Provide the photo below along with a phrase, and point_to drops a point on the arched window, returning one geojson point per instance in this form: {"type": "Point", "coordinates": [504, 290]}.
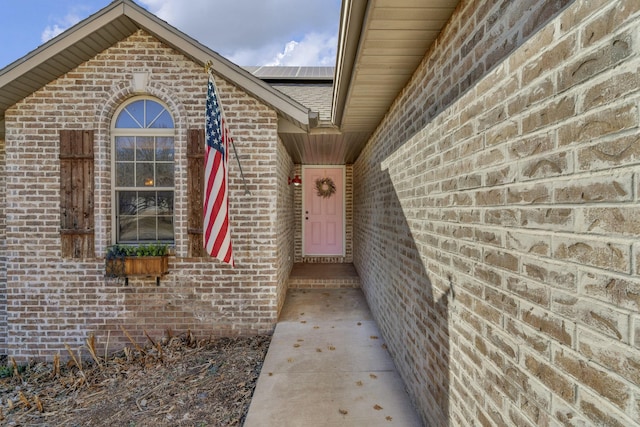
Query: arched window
{"type": "Point", "coordinates": [143, 172]}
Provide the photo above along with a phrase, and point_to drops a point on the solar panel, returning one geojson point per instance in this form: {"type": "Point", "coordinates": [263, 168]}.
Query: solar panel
{"type": "Point", "coordinates": [292, 73]}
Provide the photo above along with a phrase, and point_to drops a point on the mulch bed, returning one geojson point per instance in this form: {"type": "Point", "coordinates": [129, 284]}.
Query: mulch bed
{"type": "Point", "coordinates": [178, 382]}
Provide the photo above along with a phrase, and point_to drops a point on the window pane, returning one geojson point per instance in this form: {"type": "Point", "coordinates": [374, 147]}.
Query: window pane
{"type": "Point", "coordinates": [157, 117]}
{"type": "Point", "coordinates": [132, 116]}
{"type": "Point", "coordinates": [126, 121]}
{"type": "Point", "coordinates": [124, 175]}
{"type": "Point", "coordinates": [127, 203]}
{"type": "Point", "coordinates": [153, 111]}
{"type": "Point", "coordinates": [165, 228]}
{"type": "Point", "coordinates": [145, 114]}
{"type": "Point", "coordinates": [146, 203]}
{"type": "Point", "coordinates": [164, 149]}
{"type": "Point", "coordinates": [163, 121]}
{"type": "Point", "coordinates": [136, 111]}
{"type": "Point", "coordinates": [164, 175]}
{"type": "Point", "coordinates": [144, 175]}
{"type": "Point", "coordinates": [127, 229]}
{"type": "Point", "coordinates": [124, 148]}
{"type": "Point", "coordinates": [147, 228]}
{"type": "Point", "coordinates": [145, 215]}
{"type": "Point", "coordinates": [165, 202]}
{"type": "Point", "coordinates": [144, 149]}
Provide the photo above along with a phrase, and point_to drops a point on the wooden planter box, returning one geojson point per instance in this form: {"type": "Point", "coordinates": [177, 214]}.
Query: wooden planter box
{"type": "Point", "coordinates": [146, 265]}
{"type": "Point", "coordinates": [154, 266]}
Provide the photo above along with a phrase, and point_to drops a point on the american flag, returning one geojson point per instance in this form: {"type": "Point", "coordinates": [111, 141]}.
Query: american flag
{"type": "Point", "coordinates": [217, 233]}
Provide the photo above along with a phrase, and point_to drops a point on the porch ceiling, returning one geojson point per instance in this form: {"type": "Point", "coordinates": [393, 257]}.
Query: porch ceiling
{"type": "Point", "coordinates": [381, 43]}
{"type": "Point", "coordinates": [324, 145]}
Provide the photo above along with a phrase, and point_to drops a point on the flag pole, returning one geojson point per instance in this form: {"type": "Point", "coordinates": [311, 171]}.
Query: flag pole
{"type": "Point", "coordinates": [244, 181]}
{"type": "Point", "coordinates": [207, 68]}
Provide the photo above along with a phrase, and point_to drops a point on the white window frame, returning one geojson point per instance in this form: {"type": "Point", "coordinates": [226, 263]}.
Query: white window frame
{"type": "Point", "coordinates": [116, 132]}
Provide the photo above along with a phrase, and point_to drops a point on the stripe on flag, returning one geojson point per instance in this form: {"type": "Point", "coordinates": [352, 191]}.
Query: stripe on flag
{"type": "Point", "coordinates": [217, 233]}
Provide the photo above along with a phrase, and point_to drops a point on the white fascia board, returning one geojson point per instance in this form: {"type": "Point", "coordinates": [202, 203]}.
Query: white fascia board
{"type": "Point", "coordinates": [57, 45]}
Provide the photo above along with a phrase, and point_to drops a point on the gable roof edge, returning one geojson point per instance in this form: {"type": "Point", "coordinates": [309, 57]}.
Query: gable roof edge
{"type": "Point", "coordinates": [222, 66]}
{"type": "Point", "coordinates": [141, 18]}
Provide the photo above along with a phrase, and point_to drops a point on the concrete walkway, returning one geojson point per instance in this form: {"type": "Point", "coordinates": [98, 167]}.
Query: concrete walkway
{"type": "Point", "coordinates": [327, 365]}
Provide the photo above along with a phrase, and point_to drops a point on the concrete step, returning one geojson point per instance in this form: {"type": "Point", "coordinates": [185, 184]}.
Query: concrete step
{"type": "Point", "coordinates": [323, 276]}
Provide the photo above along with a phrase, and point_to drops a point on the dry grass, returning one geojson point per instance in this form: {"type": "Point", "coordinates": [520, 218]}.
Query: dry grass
{"type": "Point", "coordinates": [177, 382]}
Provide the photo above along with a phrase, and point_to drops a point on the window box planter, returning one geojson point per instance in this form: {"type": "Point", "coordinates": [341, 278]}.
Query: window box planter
{"type": "Point", "coordinates": [146, 265]}
{"type": "Point", "coordinates": [123, 261]}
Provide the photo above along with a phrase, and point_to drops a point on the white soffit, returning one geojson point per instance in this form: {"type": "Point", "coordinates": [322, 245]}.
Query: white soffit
{"type": "Point", "coordinates": [376, 64]}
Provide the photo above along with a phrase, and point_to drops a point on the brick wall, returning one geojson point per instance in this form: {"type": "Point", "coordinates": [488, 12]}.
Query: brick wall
{"type": "Point", "coordinates": [3, 251]}
{"type": "Point", "coordinates": [52, 302]}
{"type": "Point", "coordinates": [496, 231]}
{"type": "Point", "coordinates": [285, 222]}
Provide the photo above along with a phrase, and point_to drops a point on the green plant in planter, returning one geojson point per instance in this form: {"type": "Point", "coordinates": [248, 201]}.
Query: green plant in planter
{"type": "Point", "coordinates": [148, 259]}
{"type": "Point", "coordinates": [117, 252]}
{"type": "Point", "coordinates": [149, 249]}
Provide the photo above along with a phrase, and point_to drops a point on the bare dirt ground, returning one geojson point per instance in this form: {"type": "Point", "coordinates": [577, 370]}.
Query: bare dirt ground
{"type": "Point", "coordinates": [179, 382]}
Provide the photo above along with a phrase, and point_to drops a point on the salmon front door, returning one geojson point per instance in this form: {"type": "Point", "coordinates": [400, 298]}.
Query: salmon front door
{"type": "Point", "coordinates": [323, 210]}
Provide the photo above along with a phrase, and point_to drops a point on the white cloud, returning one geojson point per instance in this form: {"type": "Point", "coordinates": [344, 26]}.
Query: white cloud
{"type": "Point", "coordinates": [58, 27]}
{"type": "Point", "coordinates": [258, 32]}
{"type": "Point", "coordinates": [313, 49]}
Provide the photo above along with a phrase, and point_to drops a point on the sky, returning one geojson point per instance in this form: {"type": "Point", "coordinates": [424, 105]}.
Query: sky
{"type": "Point", "coordinates": [247, 32]}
